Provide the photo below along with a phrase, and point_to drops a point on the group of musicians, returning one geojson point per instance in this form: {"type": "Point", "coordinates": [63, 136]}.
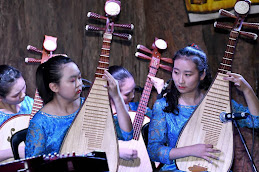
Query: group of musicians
{"type": "Point", "coordinates": [60, 85]}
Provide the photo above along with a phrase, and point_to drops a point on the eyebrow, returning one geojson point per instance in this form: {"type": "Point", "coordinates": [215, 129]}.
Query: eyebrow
{"type": "Point", "coordinates": [18, 92]}
{"type": "Point", "coordinates": [73, 76]}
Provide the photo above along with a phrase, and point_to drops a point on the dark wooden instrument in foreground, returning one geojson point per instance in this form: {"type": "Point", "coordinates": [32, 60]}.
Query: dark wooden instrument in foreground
{"type": "Point", "coordinates": [205, 125]}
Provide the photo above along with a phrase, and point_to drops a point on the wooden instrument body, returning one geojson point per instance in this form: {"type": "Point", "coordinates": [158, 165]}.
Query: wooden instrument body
{"type": "Point", "coordinates": [204, 126]}
{"type": "Point", "coordinates": [10, 127]}
{"type": "Point", "coordinates": [142, 163]}
{"type": "Point", "coordinates": [93, 128]}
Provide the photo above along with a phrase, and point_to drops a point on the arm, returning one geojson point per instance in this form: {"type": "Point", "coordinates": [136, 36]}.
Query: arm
{"type": "Point", "coordinates": [6, 154]}
{"type": "Point", "coordinates": [163, 149]}
{"type": "Point", "coordinates": [250, 97]}
{"type": "Point", "coordinates": [114, 92]}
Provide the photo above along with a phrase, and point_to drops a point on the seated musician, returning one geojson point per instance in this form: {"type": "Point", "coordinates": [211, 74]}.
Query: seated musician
{"type": "Point", "coordinates": [13, 100]}
{"type": "Point", "coordinates": [191, 78]}
{"type": "Point", "coordinates": [59, 84]}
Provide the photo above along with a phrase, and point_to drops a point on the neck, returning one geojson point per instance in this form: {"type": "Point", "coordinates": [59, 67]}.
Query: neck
{"type": "Point", "coordinates": [9, 109]}
{"type": "Point", "coordinates": [191, 99]}
{"type": "Point", "coordinates": [60, 107]}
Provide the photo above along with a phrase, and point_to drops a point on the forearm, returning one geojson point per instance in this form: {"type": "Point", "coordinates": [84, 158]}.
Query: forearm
{"type": "Point", "coordinates": [5, 154]}
{"type": "Point", "coordinates": [252, 102]}
{"type": "Point", "coordinates": [176, 153]}
{"type": "Point", "coordinates": [122, 114]}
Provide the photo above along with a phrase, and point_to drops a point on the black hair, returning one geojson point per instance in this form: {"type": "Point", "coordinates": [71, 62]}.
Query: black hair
{"type": "Point", "coordinates": [196, 55]}
{"type": "Point", "coordinates": [119, 73]}
{"type": "Point", "coordinates": [50, 72]}
{"type": "Point", "coordinates": [8, 77]}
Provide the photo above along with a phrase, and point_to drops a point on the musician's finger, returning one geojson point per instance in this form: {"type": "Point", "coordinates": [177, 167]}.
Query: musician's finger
{"type": "Point", "coordinates": [207, 159]}
{"type": "Point", "coordinates": [213, 156]}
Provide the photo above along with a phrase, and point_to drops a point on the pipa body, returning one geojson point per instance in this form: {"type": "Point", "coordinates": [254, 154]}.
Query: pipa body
{"type": "Point", "coordinates": [204, 125]}
{"type": "Point", "coordinates": [93, 127]}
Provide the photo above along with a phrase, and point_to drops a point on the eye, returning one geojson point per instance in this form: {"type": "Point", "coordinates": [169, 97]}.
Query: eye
{"type": "Point", "coordinates": [175, 72]}
{"type": "Point", "coordinates": [188, 74]}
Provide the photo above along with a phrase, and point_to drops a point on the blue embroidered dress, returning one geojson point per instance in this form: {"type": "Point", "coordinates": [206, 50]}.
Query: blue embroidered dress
{"type": "Point", "coordinates": [165, 128]}
{"type": "Point", "coordinates": [26, 107]}
{"type": "Point", "coordinates": [46, 133]}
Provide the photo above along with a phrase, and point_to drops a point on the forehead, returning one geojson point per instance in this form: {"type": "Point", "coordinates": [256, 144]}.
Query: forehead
{"type": "Point", "coordinates": [70, 69]}
{"type": "Point", "coordinates": [127, 84]}
{"type": "Point", "coordinates": [184, 64]}
{"type": "Point", "coordinates": [17, 86]}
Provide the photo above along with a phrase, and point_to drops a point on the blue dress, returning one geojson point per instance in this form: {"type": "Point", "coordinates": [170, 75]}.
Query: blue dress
{"type": "Point", "coordinates": [46, 133]}
{"type": "Point", "coordinates": [134, 107]}
{"type": "Point", "coordinates": [165, 128]}
{"type": "Point", "coordinates": [26, 107]}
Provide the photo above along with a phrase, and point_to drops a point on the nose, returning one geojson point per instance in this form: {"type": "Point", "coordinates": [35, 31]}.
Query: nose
{"type": "Point", "coordinates": [132, 96]}
{"type": "Point", "coordinates": [181, 79]}
{"type": "Point", "coordinates": [79, 82]}
{"type": "Point", "coordinates": [22, 95]}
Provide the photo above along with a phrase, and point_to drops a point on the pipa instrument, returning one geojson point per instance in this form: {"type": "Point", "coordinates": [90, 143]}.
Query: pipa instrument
{"type": "Point", "coordinates": [204, 125]}
{"type": "Point", "coordinates": [21, 121]}
{"type": "Point", "coordinates": [142, 163]}
{"type": "Point", "coordinates": [93, 127]}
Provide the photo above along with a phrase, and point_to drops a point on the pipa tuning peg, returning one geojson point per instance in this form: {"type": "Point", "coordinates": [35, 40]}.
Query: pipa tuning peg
{"type": "Point", "coordinates": [125, 26]}
{"type": "Point", "coordinates": [222, 26]}
{"type": "Point", "coordinates": [227, 13]}
{"type": "Point", "coordinates": [95, 16]}
{"type": "Point", "coordinates": [168, 60]}
{"type": "Point", "coordinates": [123, 35]}
{"type": "Point", "coordinates": [94, 28]}
{"type": "Point", "coordinates": [142, 56]}
{"type": "Point", "coordinates": [249, 35]}
{"type": "Point", "coordinates": [251, 25]}
{"type": "Point", "coordinates": [144, 49]}
{"type": "Point", "coordinates": [165, 67]}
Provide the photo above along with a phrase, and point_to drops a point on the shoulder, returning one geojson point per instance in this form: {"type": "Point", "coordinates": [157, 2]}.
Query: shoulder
{"type": "Point", "coordinates": [160, 102]}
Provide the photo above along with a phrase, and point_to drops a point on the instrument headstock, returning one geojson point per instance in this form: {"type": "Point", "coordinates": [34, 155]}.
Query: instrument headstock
{"type": "Point", "coordinates": [112, 9]}
{"type": "Point", "coordinates": [157, 48]}
{"type": "Point", "coordinates": [241, 9]}
{"type": "Point", "coordinates": [49, 45]}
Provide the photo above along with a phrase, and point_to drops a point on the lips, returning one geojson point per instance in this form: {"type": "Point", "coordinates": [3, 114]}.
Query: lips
{"type": "Point", "coordinates": [79, 91]}
{"type": "Point", "coordinates": [181, 87]}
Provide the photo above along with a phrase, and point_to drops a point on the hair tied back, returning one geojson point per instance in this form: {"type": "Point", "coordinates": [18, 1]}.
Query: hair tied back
{"type": "Point", "coordinates": [195, 46]}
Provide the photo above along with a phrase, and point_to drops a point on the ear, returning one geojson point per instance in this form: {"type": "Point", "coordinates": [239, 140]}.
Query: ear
{"type": "Point", "coordinates": [53, 87]}
{"type": "Point", "coordinates": [203, 75]}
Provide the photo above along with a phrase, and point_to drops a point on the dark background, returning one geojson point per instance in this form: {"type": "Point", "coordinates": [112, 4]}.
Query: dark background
{"type": "Point", "coordinates": [24, 22]}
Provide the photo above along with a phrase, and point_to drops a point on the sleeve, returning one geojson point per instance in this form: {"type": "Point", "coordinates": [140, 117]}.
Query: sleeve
{"type": "Point", "coordinates": [157, 135]}
{"type": "Point", "coordinates": [251, 121]}
{"type": "Point", "coordinates": [122, 135]}
{"type": "Point", "coordinates": [35, 140]}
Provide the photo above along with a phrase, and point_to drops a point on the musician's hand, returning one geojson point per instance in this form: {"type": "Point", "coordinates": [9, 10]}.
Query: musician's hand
{"type": "Point", "coordinates": [113, 85]}
{"type": "Point", "coordinates": [158, 83]}
{"type": "Point", "coordinates": [204, 151]}
{"type": "Point", "coordinates": [238, 81]}
{"type": "Point", "coordinates": [128, 154]}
